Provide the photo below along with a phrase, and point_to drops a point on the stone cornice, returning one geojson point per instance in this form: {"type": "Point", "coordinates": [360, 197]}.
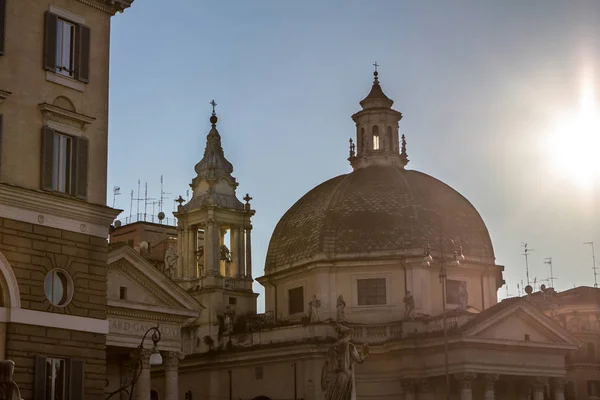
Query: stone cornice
{"type": "Point", "coordinates": [174, 311]}
{"type": "Point", "coordinates": [65, 117]}
{"type": "Point", "coordinates": [54, 210]}
{"type": "Point", "coordinates": [108, 6]}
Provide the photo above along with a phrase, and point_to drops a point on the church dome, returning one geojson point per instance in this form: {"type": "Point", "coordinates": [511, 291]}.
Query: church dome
{"type": "Point", "coordinates": [378, 210]}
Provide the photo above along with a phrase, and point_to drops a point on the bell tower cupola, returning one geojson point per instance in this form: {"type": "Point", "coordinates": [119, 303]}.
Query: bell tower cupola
{"type": "Point", "coordinates": [377, 136]}
{"type": "Point", "coordinates": [214, 235]}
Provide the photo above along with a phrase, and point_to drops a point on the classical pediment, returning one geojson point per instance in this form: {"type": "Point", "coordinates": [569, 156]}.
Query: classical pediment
{"type": "Point", "coordinates": [517, 321]}
{"type": "Point", "coordinates": [135, 284]}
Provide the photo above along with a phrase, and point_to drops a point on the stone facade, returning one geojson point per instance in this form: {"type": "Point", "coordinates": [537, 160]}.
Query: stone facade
{"type": "Point", "coordinates": [54, 68]}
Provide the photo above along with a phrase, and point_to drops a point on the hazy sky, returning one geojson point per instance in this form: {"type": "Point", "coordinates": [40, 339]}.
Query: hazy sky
{"type": "Point", "coordinates": [490, 92]}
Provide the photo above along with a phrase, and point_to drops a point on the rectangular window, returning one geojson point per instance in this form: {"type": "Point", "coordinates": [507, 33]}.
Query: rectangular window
{"type": "Point", "coordinates": [371, 291]}
{"type": "Point", "coordinates": [296, 300]}
{"type": "Point", "coordinates": [453, 291]}
{"type": "Point", "coordinates": [58, 378]}
{"type": "Point", "coordinates": [233, 301]}
{"type": "Point", "coordinates": [123, 293]}
{"type": "Point", "coordinates": [67, 48]}
{"type": "Point", "coordinates": [64, 163]}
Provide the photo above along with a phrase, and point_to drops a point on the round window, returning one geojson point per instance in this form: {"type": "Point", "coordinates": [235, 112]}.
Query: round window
{"type": "Point", "coordinates": [58, 287]}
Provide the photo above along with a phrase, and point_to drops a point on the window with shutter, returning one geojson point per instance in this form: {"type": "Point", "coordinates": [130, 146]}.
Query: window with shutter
{"type": "Point", "coordinates": [67, 47]}
{"type": "Point", "coordinates": [2, 25]}
{"type": "Point", "coordinates": [64, 163]}
{"type": "Point", "coordinates": [76, 379]}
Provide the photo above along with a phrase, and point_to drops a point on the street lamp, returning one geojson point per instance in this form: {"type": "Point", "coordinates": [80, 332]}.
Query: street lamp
{"type": "Point", "coordinates": [155, 359]}
{"type": "Point", "coordinates": [443, 276]}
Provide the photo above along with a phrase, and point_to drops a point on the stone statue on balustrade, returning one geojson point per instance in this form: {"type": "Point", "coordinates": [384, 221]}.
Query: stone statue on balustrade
{"type": "Point", "coordinates": [229, 317]}
{"type": "Point", "coordinates": [337, 374]}
{"type": "Point", "coordinates": [313, 309]}
{"type": "Point", "coordinates": [341, 309]}
{"type": "Point", "coordinates": [463, 297]}
{"type": "Point", "coordinates": [170, 260]}
{"type": "Point", "coordinates": [8, 388]}
{"type": "Point", "coordinates": [409, 303]}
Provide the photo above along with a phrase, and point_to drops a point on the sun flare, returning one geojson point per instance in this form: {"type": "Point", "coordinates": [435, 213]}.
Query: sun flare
{"type": "Point", "coordinates": [575, 142]}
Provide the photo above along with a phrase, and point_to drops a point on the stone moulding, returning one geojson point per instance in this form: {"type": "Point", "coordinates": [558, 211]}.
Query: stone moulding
{"type": "Point", "coordinates": [108, 6]}
{"type": "Point", "coordinates": [57, 211]}
{"type": "Point", "coordinates": [65, 117]}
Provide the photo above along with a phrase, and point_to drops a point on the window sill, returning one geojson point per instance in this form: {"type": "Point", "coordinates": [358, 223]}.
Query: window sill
{"type": "Point", "coordinates": [65, 81]}
{"type": "Point", "coordinates": [371, 307]}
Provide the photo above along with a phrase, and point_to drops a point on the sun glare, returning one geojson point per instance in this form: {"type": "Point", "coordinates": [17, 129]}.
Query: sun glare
{"type": "Point", "coordinates": [575, 142]}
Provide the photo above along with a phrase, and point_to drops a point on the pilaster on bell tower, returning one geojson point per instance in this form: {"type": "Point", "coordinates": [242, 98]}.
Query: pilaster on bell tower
{"type": "Point", "coordinates": [215, 270]}
{"type": "Point", "coordinates": [377, 136]}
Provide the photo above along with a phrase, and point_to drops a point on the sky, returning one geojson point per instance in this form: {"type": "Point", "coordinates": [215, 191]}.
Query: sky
{"type": "Point", "coordinates": [501, 100]}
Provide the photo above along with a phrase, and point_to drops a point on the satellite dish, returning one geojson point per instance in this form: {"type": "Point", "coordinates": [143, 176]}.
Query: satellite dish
{"type": "Point", "coordinates": [144, 246]}
{"type": "Point", "coordinates": [543, 288]}
{"type": "Point", "coordinates": [161, 216]}
{"type": "Point", "coordinates": [117, 223]}
{"type": "Point", "coordinates": [528, 289]}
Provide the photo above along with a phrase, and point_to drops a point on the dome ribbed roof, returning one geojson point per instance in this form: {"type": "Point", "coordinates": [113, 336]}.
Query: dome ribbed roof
{"type": "Point", "coordinates": [373, 210]}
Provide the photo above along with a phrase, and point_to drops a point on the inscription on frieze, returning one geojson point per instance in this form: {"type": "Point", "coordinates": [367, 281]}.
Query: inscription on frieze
{"type": "Point", "coordinates": [139, 328]}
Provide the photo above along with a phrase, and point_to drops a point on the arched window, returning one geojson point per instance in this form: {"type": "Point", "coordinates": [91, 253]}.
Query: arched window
{"type": "Point", "coordinates": [375, 137]}
{"type": "Point", "coordinates": [388, 139]}
{"type": "Point", "coordinates": [153, 395]}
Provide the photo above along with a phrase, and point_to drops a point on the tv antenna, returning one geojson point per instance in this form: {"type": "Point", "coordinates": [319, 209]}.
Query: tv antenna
{"type": "Point", "coordinates": [594, 268]}
{"type": "Point", "coordinates": [161, 202]}
{"type": "Point", "coordinates": [552, 278]}
{"type": "Point", "coordinates": [138, 199]}
{"type": "Point", "coordinates": [146, 198]}
{"type": "Point", "coordinates": [131, 208]}
{"type": "Point", "coordinates": [526, 254]}
{"type": "Point", "coordinates": [116, 192]}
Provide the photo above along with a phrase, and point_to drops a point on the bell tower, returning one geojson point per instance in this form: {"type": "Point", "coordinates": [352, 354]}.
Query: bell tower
{"type": "Point", "coordinates": [214, 235]}
{"type": "Point", "coordinates": [377, 137]}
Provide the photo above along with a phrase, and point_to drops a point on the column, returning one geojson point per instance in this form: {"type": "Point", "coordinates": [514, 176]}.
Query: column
{"type": "Point", "coordinates": [538, 385]}
{"type": "Point", "coordinates": [234, 247]}
{"type": "Point", "coordinates": [210, 264]}
{"type": "Point", "coordinates": [142, 386]}
{"type": "Point", "coordinates": [559, 389]}
{"type": "Point", "coordinates": [241, 252]}
{"type": "Point", "coordinates": [465, 380]}
{"type": "Point", "coordinates": [489, 383]}
{"type": "Point", "coordinates": [425, 390]}
{"type": "Point", "coordinates": [408, 389]}
{"type": "Point", "coordinates": [171, 376]}
{"type": "Point", "coordinates": [248, 252]}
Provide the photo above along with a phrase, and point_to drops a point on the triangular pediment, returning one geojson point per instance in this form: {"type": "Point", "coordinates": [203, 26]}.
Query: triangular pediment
{"type": "Point", "coordinates": [518, 321]}
{"type": "Point", "coordinates": [145, 288]}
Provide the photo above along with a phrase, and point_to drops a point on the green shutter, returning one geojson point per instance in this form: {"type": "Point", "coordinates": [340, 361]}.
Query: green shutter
{"type": "Point", "coordinates": [50, 41]}
{"type": "Point", "coordinates": [76, 379]}
{"type": "Point", "coordinates": [82, 53]}
{"type": "Point", "coordinates": [39, 383]}
{"type": "Point", "coordinates": [2, 25]}
{"type": "Point", "coordinates": [47, 157]}
{"type": "Point", "coordinates": [81, 167]}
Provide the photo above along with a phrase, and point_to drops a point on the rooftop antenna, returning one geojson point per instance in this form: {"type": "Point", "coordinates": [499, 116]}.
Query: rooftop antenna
{"type": "Point", "coordinates": [131, 207]}
{"type": "Point", "coordinates": [146, 198]}
{"type": "Point", "coordinates": [138, 199]}
{"type": "Point", "coordinates": [162, 195]}
{"type": "Point", "coordinates": [187, 195]}
{"type": "Point", "coordinates": [526, 254]}
{"type": "Point", "coordinates": [594, 268]}
{"type": "Point", "coordinates": [552, 278]}
{"type": "Point", "coordinates": [116, 192]}
{"type": "Point", "coordinates": [507, 295]}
